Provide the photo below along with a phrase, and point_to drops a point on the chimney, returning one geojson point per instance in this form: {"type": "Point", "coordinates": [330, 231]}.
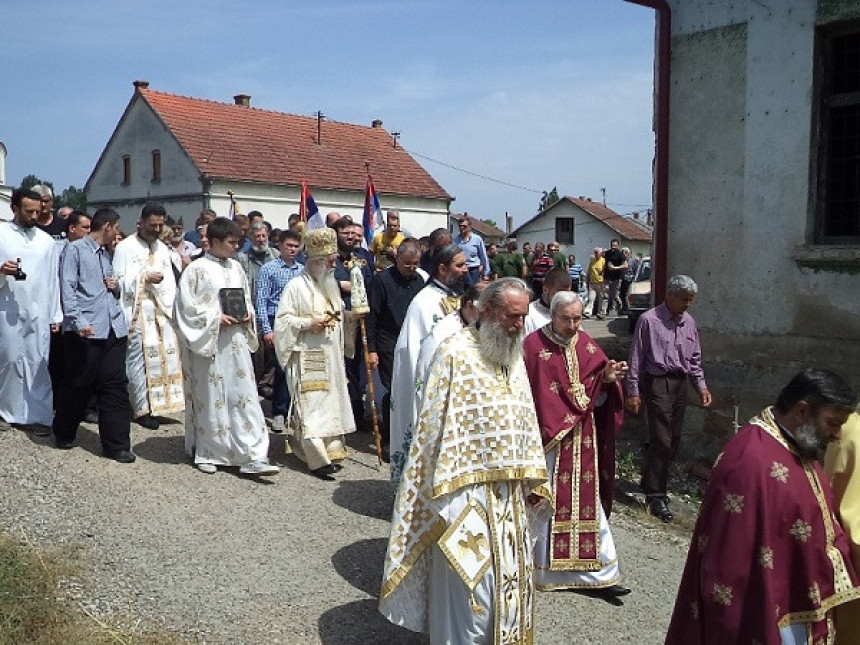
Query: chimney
{"type": "Point", "coordinates": [581, 198]}
{"type": "Point", "coordinates": [243, 100]}
{"type": "Point", "coordinates": [635, 214]}
{"type": "Point", "coordinates": [376, 123]}
{"type": "Point", "coordinates": [141, 85]}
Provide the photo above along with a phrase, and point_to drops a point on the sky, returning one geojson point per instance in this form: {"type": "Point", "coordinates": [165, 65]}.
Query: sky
{"type": "Point", "coordinates": [498, 100]}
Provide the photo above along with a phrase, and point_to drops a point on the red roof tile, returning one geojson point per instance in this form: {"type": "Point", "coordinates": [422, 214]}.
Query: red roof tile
{"type": "Point", "coordinates": [230, 141]}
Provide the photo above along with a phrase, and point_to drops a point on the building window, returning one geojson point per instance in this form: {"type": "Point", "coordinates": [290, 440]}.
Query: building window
{"type": "Point", "coordinates": [126, 170]}
{"type": "Point", "coordinates": [564, 230]}
{"type": "Point", "coordinates": [156, 166]}
{"type": "Point", "coordinates": [837, 210]}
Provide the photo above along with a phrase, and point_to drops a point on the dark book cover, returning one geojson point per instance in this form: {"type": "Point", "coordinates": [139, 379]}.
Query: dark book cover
{"type": "Point", "coordinates": [233, 302]}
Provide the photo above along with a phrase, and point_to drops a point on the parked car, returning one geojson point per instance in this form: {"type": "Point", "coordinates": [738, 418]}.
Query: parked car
{"type": "Point", "coordinates": [639, 295]}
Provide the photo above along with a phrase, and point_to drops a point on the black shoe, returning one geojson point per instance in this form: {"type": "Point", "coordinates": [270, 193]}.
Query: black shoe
{"type": "Point", "coordinates": [386, 454]}
{"type": "Point", "coordinates": [147, 421]}
{"type": "Point", "coordinates": [92, 417]}
{"type": "Point", "coordinates": [325, 473]}
{"type": "Point", "coordinates": [122, 456]}
{"type": "Point", "coordinates": [616, 591]}
{"type": "Point", "coordinates": [64, 445]}
{"type": "Point", "coordinates": [337, 467]}
{"type": "Point", "coordinates": [660, 509]}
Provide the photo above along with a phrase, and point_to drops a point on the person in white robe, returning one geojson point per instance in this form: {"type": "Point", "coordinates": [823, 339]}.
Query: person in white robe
{"type": "Point", "coordinates": [439, 297]}
{"type": "Point", "coordinates": [312, 334]}
{"type": "Point", "coordinates": [444, 329]}
{"type": "Point", "coordinates": [148, 290]}
{"type": "Point", "coordinates": [29, 308]}
{"type": "Point", "coordinates": [459, 563]}
{"type": "Point", "coordinates": [557, 279]}
{"type": "Point", "coordinates": [224, 424]}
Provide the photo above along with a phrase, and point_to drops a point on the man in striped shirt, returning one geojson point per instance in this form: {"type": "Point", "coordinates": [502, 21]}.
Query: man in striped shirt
{"type": "Point", "coordinates": [271, 280]}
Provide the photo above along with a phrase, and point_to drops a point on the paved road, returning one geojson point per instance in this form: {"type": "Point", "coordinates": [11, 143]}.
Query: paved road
{"type": "Point", "coordinates": [226, 559]}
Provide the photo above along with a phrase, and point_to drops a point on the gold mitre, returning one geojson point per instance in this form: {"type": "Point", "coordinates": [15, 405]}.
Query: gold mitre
{"type": "Point", "coordinates": [320, 242]}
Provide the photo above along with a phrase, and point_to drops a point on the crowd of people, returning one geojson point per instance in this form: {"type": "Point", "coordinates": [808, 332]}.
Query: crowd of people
{"type": "Point", "coordinates": [499, 416]}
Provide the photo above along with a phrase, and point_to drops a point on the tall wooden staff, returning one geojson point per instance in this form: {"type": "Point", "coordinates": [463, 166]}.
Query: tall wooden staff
{"type": "Point", "coordinates": [360, 305]}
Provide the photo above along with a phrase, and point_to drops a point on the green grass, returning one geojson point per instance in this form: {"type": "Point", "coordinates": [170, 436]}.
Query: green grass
{"type": "Point", "coordinates": [34, 612]}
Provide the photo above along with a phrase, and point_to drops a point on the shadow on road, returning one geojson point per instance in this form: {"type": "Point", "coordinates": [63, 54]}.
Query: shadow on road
{"type": "Point", "coordinates": [162, 449]}
{"type": "Point", "coordinates": [360, 623]}
{"type": "Point", "coordinates": [369, 497]}
{"type": "Point", "coordinates": [360, 564]}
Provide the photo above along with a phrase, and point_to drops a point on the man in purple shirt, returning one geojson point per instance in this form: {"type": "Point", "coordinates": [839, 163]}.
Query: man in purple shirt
{"type": "Point", "coordinates": [664, 355]}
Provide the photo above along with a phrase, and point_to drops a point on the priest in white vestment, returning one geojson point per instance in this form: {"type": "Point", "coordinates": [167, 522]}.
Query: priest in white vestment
{"type": "Point", "coordinates": [148, 290]}
{"type": "Point", "coordinates": [224, 424]}
{"type": "Point", "coordinates": [313, 333]}
{"type": "Point", "coordinates": [459, 564]}
{"type": "Point", "coordinates": [29, 306]}
{"type": "Point", "coordinates": [439, 297]}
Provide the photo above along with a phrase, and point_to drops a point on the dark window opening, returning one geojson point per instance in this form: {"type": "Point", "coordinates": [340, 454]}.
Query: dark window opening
{"type": "Point", "coordinates": [156, 165]}
{"type": "Point", "coordinates": [126, 170]}
{"type": "Point", "coordinates": [564, 230]}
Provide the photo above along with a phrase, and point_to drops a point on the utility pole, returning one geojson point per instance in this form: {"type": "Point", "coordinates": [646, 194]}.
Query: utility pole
{"type": "Point", "coordinates": [395, 136]}
{"type": "Point", "coordinates": [603, 190]}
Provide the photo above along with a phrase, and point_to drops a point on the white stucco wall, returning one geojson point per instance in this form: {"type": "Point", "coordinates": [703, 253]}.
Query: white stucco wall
{"type": "Point", "coordinates": [417, 215]}
{"type": "Point", "coordinates": [740, 149]}
{"type": "Point", "coordinates": [589, 232]}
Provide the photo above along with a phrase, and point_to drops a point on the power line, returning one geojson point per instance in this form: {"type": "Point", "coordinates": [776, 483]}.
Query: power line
{"type": "Point", "coordinates": [501, 181]}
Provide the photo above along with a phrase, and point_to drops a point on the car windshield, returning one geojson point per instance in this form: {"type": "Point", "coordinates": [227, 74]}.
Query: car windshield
{"type": "Point", "coordinates": [644, 271]}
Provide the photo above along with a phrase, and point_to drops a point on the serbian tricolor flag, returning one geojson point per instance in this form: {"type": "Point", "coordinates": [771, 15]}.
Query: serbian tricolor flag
{"type": "Point", "coordinates": [372, 219]}
{"type": "Point", "coordinates": [308, 211]}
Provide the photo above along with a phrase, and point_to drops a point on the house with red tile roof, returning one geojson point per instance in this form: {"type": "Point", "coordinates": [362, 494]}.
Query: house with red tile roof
{"type": "Point", "coordinates": [580, 224]}
{"type": "Point", "coordinates": [190, 153]}
{"type": "Point", "coordinates": [489, 233]}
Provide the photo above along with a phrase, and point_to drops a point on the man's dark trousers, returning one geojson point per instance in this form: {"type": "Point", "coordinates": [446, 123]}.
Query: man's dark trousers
{"type": "Point", "coordinates": [665, 399]}
{"type": "Point", "coordinates": [95, 366]}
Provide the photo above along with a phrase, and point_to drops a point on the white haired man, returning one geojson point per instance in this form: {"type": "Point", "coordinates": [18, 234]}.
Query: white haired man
{"type": "Point", "coordinates": [313, 333]}
{"type": "Point", "coordinates": [459, 560]}
{"type": "Point", "coordinates": [665, 354]}
{"type": "Point", "coordinates": [577, 394]}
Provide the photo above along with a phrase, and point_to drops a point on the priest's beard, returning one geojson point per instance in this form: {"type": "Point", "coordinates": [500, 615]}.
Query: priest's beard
{"type": "Point", "coordinates": [323, 278]}
{"type": "Point", "coordinates": [809, 445]}
{"type": "Point", "coordinates": [497, 346]}
{"type": "Point", "coordinates": [457, 285]}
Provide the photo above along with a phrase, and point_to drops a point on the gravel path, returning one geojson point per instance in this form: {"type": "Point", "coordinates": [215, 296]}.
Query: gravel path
{"type": "Point", "coordinates": [291, 559]}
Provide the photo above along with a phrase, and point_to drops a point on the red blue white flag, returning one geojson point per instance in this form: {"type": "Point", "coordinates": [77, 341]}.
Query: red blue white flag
{"type": "Point", "coordinates": [372, 218]}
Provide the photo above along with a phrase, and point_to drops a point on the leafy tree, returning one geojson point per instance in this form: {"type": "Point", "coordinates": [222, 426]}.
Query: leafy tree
{"type": "Point", "coordinates": [548, 199]}
{"type": "Point", "coordinates": [491, 222]}
{"type": "Point", "coordinates": [71, 196]}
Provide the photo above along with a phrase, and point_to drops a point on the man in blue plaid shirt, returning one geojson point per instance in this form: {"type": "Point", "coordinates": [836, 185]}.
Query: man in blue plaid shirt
{"type": "Point", "coordinates": [271, 280]}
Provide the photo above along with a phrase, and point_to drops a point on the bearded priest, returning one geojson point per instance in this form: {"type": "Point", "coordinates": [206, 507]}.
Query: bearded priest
{"type": "Point", "coordinates": [768, 562]}
{"type": "Point", "coordinates": [313, 333]}
{"type": "Point", "coordinates": [580, 407]}
{"type": "Point", "coordinates": [459, 560]}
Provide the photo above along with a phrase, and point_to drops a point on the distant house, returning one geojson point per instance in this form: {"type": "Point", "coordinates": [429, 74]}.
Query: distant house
{"type": "Point", "coordinates": [188, 153]}
{"type": "Point", "coordinates": [579, 225]}
{"type": "Point", "coordinates": [489, 233]}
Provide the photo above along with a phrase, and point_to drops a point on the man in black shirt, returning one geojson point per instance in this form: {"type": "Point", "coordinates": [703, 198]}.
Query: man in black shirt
{"type": "Point", "coordinates": [616, 265]}
{"type": "Point", "coordinates": [389, 296]}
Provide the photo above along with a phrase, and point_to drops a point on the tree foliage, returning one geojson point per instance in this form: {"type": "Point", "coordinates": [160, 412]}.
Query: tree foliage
{"type": "Point", "coordinates": [491, 222]}
{"type": "Point", "coordinates": [71, 196]}
{"type": "Point", "coordinates": [548, 199]}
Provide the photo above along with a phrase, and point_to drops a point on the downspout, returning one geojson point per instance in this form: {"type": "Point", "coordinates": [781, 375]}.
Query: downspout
{"type": "Point", "coordinates": [662, 78]}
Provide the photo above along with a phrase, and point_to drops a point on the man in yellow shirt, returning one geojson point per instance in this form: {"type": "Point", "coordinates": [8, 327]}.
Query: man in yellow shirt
{"type": "Point", "coordinates": [840, 465]}
{"type": "Point", "coordinates": [384, 245]}
{"type": "Point", "coordinates": [594, 280]}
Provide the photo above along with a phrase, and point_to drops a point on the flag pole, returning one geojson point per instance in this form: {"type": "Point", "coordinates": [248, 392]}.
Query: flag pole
{"type": "Point", "coordinates": [377, 438]}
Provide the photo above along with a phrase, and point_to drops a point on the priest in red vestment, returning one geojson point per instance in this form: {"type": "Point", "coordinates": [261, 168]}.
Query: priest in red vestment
{"type": "Point", "coordinates": [579, 406]}
{"type": "Point", "coordinates": [768, 561]}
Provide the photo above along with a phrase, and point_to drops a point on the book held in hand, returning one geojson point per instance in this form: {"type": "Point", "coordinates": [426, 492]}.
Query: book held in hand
{"type": "Point", "coordinates": [232, 301]}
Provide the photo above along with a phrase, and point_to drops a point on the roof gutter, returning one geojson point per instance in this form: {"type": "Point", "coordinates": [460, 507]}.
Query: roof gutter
{"type": "Point", "coordinates": [662, 78]}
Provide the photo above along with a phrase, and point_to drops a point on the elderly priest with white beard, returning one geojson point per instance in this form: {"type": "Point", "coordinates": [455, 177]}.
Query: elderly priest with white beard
{"type": "Point", "coordinates": [313, 333]}
{"type": "Point", "coordinates": [459, 563]}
